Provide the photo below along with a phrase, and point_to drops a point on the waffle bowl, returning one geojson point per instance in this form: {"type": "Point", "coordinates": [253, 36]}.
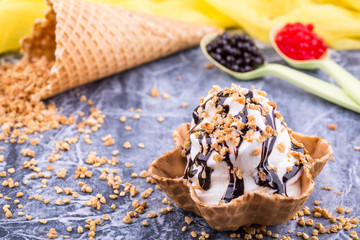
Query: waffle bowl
{"type": "Point", "coordinates": [250, 208]}
{"type": "Point", "coordinates": [87, 41]}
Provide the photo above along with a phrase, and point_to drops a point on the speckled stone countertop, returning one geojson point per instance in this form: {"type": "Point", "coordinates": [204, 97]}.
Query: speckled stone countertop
{"type": "Point", "coordinates": [114, 96]}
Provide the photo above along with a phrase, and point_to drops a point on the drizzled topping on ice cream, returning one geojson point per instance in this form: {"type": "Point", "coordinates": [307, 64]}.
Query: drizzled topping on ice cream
{"type": "Point", "coordinates": [239, 143]}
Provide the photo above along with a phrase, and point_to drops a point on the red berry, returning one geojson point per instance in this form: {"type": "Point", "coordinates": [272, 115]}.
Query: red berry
{"type": "Point", "coordinates": [298, 41]}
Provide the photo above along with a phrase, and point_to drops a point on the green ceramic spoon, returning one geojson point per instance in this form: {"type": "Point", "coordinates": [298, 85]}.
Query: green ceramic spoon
{"type": "Point", "coordinates": [316, 86]}
{"type": "Point", "coordinates": [348, 82]}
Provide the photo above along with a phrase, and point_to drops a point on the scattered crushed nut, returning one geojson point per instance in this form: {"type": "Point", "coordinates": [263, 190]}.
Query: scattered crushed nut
{"type": "Point", "coordinates": [166, 96]}
{"type": "Point", "coordinates": [154, 92]}
{"type": "Point", "coordinates": [188, 220]}
{"type": "Point", "coordinates": [161, 119]}
{"type": "Point", "coordinates": [52, 233]}
{"type": "Point", "coordinates": [332, 126]}
{"type": "Point", "coordinates": [127, 145]}
{"type": "Point", "coordinates": [208, 65]}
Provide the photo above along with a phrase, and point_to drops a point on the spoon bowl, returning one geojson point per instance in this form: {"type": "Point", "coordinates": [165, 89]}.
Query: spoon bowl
{"type": "Point", "coordinates": [348, 82]}
{"type": "Point", "coordinates": [250, 75]}
{"type": "Point", "coordinates": [302, 64]}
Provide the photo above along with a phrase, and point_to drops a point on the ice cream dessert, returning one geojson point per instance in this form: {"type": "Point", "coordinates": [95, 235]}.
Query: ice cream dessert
{"type": "Point", "coordinates": [239, 143]}
{"type": "Point", "coordinates": [238, 164]}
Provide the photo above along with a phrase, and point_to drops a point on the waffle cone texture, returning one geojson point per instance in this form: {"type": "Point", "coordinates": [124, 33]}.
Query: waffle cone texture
{"type": "Point", "coordinates": [88, 41]}
{"type": "Point", "coordinates": [251, 207]}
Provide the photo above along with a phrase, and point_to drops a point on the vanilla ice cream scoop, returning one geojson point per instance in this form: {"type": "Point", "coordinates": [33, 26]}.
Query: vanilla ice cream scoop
{"type": "Point", "coordinates": [239, 143]}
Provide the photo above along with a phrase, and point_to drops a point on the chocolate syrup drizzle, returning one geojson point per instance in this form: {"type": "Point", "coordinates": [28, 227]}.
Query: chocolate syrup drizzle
{"type": "Point", "coordinates": [236, 186]}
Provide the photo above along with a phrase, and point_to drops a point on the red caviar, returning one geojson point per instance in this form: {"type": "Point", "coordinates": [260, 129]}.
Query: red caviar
{"type": "Point", "coordinates": [299, 42]}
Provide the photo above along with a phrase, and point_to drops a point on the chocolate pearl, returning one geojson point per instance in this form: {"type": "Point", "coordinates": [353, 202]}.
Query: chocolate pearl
{"type": "Point", "coordinates": [219, 51]}
{"type": "Point", "coordinates": [247, 68]}
{"type": "Point", "coordinates": [218, 57]}
{"type": "Point", "coordinates": [226, 36]}
{"type": "Point", "coordinates": [209, 48]}
{"type": "Point", "coordinates": [253, 49]}
{"type": "Point", "coordinates": [233, 42]}
{"type": "Point", "coordinates": [230, 59]}
{"type": "Point", "coordinates": [235, 67]}
{"type": "Point", "coordinates": [258, 60]}
{"type": "Point", "coordinates": [237, 37]}
{"type": "Point", "coordinates": [246, 55]}
{"type": "Point", "coordinates": [239, 61]}
{"type": "Point", "coordinates": [227, 49]}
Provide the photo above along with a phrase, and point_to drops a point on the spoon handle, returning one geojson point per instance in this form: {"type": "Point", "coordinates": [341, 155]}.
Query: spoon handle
{"type": "Point", "coordinates": [348, 82]}
{"type": "Point", "coordinates": [314, 85]}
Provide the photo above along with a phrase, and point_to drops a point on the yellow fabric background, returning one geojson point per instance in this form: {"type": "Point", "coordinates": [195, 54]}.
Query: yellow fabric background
{"type": "Point", "coordinates": [337, 21]}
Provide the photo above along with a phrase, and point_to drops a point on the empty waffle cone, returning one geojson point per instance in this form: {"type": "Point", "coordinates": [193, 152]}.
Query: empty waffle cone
{"type": "Point", "coordinates": [249, 208]}
{"type": "Point", "coordinates": [88, 41]}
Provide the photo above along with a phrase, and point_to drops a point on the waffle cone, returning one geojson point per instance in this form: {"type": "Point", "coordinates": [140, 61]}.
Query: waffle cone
{"type": "Point", "coordinates": [250, 208]}
{"type": "Point", "coordinates": [88, 41]}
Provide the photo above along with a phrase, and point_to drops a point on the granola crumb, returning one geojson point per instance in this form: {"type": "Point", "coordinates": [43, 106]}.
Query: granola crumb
{"type": "Point", "coordinates": [161, 119]}
{"type": "Point", "coordinates": [122, 119]}
{"type": "Point", "coordinates": [42, 221]}
{"type": "Point", "coordinates": [184, 104]}
{"type": "Point", "coordinates": [127, 128]}
{"type": "Point", "coordinates": [152, 215]}
{"type": "Point", "coordinates": [69, 229]}
{"type": "Point", "coordinates": [357, 148]}
{"type": "Point", "coordinates": [332, 126]}
{"type": "Point", "coordinates": [188, 220]}
{"type": "Point", "coordinates": [348, 210]}
{"type": "Point", "coordinates": [141, 145]}
{"type": "Point", "coordinates": [193, 234]}
{"type": "Point", "coordinates": [127, 145]}
{"type": "Point", "coordinates": [145, 223]}
{"type": "Point", "coordinates": [83, 98]}
{"type": "Point", "coordinates": [52, 234]}
{"type": "Point", "coordinates": [208, 65]}
{"type": "Point", "coordinates": [166, 96]}
{"type": "Point", "coordinates": [80, 229]}
{"type": "Point", "coordinates": [340, 209]}
{"type": "Point", "coordinates": [34, 141]}
{"type": "Point", "coordinates": [136, 116]}
{"type": "Point", "coordinates": [154, 92]}
{"type": "Point", "coordinates": [128, 165]}
{"type": "Point", "coordinates": [309, 222]}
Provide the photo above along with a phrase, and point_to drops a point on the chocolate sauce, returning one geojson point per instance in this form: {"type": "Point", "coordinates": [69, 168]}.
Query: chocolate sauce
{"type": "Point", "coordinates": [272, 179]}
{"type": "Point", "coordinates": [236, 186]}
{"type": "Point", "coordinates": [292, 173]}
{"type": "Point", "coordinates": [296, 148]}
{"type": "Point", "coordinates": [195, 116]}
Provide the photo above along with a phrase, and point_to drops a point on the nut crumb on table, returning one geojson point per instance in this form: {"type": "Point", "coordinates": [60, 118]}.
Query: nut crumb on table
{"type": "Point", "coordinates": [332, 126]}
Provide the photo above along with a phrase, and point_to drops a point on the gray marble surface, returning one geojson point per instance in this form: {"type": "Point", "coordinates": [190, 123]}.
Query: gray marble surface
{"type": "Point", "coordinates": [114, 95]}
